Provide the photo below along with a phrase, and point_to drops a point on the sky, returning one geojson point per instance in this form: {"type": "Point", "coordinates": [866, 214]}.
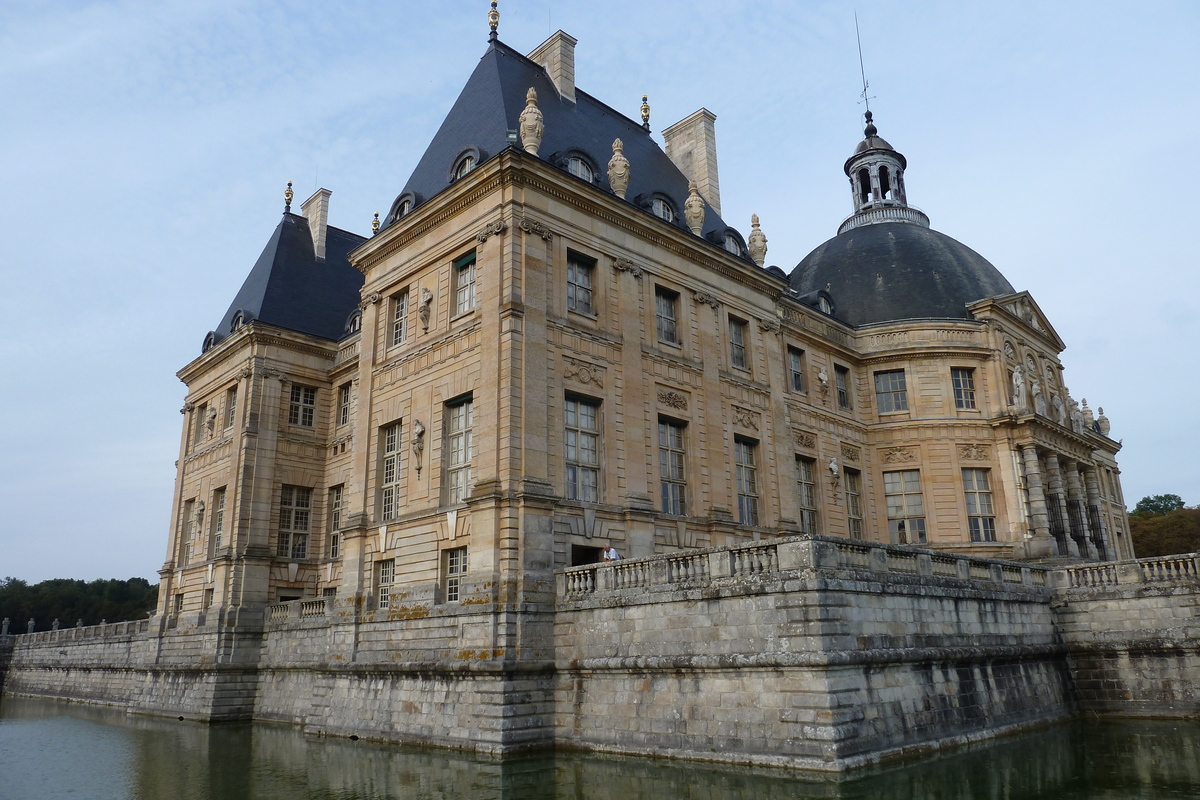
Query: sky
{"type": "Point", "coordinates": [145, 146]}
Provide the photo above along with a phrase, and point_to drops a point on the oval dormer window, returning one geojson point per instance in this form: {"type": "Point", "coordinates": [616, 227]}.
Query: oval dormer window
{"type": "Point", "coordinates": [732, 245]}
{"type": "Point", "coordinates": [237, 321]}
{"type": "Point", "coordinates": [662, 209]}
{"type": "Point", "coordinates": [466, 165]}
{"type": "Point", "coordinates": [404, 208]}
{"type": "Point", "coordinates": [579, 168]}
{"type": "Point", "coordinates": [824, 305]}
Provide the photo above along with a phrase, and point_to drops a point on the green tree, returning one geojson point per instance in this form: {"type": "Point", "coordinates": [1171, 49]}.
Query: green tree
{"type": "Point", "coordinates": [1158, 505]}
{"type": "Point", "coordinates": [69, 601]}
{"type": "Point", "coordinates": [1177, 531]}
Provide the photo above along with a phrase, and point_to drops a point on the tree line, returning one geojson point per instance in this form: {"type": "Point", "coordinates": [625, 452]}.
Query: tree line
{"type": "Point", "coordinates": [69, 601]}
{"type": "Point", "coordinates": [1161, 525]}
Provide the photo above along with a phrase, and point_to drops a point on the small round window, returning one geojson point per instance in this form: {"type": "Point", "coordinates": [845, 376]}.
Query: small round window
{"type": "Point", "coordinates": [464, 166]}
{"type": "Point", "coordinates": [731, 244]}
{"type": "Point", "coordinates": [663, 210]}
{"type": "Point", "coordinates": [579, 168]}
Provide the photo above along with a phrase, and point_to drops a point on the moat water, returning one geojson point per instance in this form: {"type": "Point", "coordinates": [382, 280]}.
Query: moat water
{"type": "Point", "coordinates": [53, 749]}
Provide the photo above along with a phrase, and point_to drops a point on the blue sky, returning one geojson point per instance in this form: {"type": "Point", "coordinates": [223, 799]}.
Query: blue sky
{"type": "Point", "coordinates": [145, 148]}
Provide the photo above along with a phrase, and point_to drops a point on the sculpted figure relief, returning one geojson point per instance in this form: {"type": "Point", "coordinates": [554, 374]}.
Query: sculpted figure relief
{"type": "Point", "coordinates": [693, 209]}
{"type": "Point", "coordinates": [1018, 388]}
{"type": "Point", "coordinates": [618, 169]}
{"type": "Point", "coordinates": [424, 309]}
{"type": "Point", "coordinates": [1039, 400]}
{"type": "Point", "coordinates": [1060, 410]}
{"type": "Point", "coordinates": [531, 124]}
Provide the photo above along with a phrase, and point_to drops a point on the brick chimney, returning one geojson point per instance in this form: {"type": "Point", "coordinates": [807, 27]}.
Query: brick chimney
{"type": "Point", "coordinates": [557, 55]}
{"type": "Point", "coordinates": [316, 210]}
{"type": "Point", "coordinates": [692, 146]}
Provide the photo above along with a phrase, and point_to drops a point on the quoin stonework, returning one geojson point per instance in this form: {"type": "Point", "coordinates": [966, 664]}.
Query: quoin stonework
{"type": "Point", "coordinates": [857, 507]}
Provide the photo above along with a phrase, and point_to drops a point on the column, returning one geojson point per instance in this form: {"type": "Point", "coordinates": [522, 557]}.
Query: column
{"type": "Point", "coordinates": [1080, 530]}
{"type": "Point", "coordinates": [1056, 505]}
{"type": "Point", "coordinates": [1091, 482]}
{"type": "Point", "coordinates": [1042, 543]}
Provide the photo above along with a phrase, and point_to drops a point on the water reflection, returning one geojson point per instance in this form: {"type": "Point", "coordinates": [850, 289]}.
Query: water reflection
{"type": "Point", "coordinates": [55, 749]}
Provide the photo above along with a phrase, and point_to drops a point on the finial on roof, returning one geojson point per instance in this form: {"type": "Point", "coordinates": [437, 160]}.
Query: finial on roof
{"type": "Point", "coordinates": [375, 224]}
{"type": "Point", "coordinates": [870, 130]}
{"type": "Point", "coordinates": [287, 198]}
{"type": "Point", "coordinates": [693, 209]}
{"type": "Point", "coordinates": [757, 243]}
{"type": "Point", "coordinates": [493, 21]}
{"type": "Point", "coordinates": [618, 169]}
{"type": "Point", "coordinates": [645, 113]}
{"type": "Point", "coordinates": [531, 126]}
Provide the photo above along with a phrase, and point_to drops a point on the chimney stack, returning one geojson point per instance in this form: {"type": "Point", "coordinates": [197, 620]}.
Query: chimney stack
{"type": "Point", "coordinates": [557, 55]}
{"type": "Point", "coordinates": [692, 146]}
{"type": "Point", "coordinates": [316, 210]}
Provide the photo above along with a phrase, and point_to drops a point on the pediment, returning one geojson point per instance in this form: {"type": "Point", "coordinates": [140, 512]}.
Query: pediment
{"type": "Point", "coordinates": [1021, 307]}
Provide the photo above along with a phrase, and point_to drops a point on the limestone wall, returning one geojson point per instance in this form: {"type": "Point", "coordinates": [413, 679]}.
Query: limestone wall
{"type": "Point", "coordinates": [1133, 632]}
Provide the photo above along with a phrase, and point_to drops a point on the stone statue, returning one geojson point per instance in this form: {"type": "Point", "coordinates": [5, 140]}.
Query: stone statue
{"type": "Point", "coordinates": [618, 169]}
{"type": "Point", "coordinates": [31, 625]}
{"type": "Point", "coordinates": [418, 443]}
{"type": "Point", "coordinates": [757, 243]}
{"type": "Point", "coordinates": [1018, 388]}
{"type": "Point", "coordinates": [210, 422]}
{"type": "Point", "coordinates": [1102, 423]}
{"type": "Point", "coordinates": [693, 209]}
{"type": "Point", "coordinates": [1039, 399]}
{"type": "Point", "coordinates": [424, 309]}
{"type": "Point", "coordinates": [1076, 416]}
{"type": "Point", "coordinates": [833, 468]}
{"type": "Point", "coordinates": [4, 627]}
{"type": "Point", "coordinates": [823, 379]}
{"type": "Point", "coordinates": [531, 124]}
{"type": "Point", "coordinates": [1060, 411]}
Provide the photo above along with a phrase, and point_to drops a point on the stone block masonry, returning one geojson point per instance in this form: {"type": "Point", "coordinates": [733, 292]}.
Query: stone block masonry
{"type": "Point", "coordinates": [807, 652]}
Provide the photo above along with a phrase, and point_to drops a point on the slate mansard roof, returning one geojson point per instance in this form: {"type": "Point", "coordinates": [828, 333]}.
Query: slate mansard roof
{"type": "Point", "coordinates": [490, 106]}
{"type": "Point", "coordinates": [290, 288]}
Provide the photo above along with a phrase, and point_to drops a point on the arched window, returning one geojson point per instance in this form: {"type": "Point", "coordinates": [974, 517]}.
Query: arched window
{"type": "Point", "coordinates": [864, 186]}
{"type": "Point", "coordinates": [885, 188]}
{"type": "Point", "coordinates": [464, 166]}
{"type": "Point", "coordinates": [236, 322]}
{"type": "Point", "coordinates": [732, 245]}
{"type": "Point", "coordinates": [662, 209]}
{"type": "Point", "coordinates": [579, 168]}
{"type": "Point", "coordinates": [405, 207]}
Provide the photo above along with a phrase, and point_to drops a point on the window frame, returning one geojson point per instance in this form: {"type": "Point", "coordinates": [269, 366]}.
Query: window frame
{"type": "Point", "coordinates": [230, 406]}
{"type": "Point", "coordinates": [853, 491]}
{"type": "Point", "coordinates": [399, 311]}
{"type": "Point", "coordinates": [576, 470]}
{"type": "Point", "coordinates": [344, 395]}
{"type": "Point", "coordinates": [663, 209]}
{"type": "Point", "coordinates": [745, 459]}
{"type": "Point", "coordinates": [576, 165]}
{"type": "Point", "coordinates": [463, 272]}
{"type": "Point", "coordinates": [295, 521]}
{"type": "Point", "coordinates": [385, 579]}
{"type": "Point", "coordinates": [454, 566]}
{"type": "Point", "coordinates": [459, 444]}
{"type": "Point", "coordinates": [795, 369]}
{"type": "Point", "coordinates": [217, 520]}
{"type": "Point", "coordinates": [907, 518]}
{"type": "Point", "coordinates": [391, 464]}
{"type": "Point", "coordinates": [892, 396]}
{"type": "Point", "coordinates": [981, 509]}
{"type": "Point", "coordinates": [807, 490]}
{"type": "Point", "coordinates": [738, 346]}
{"type": "Point", "coordinates": [581, 284]}
{"type": "Point", "coordinates": [841, 381]}
{"type": "Point", "coordinates": [670, 299]}
{"type": "Point", "coordinates": [337, 495]}
{"type": "Point", "coordinates": [964, 394]}
{"type": "Point", "coordinates": [672, 465]}
{"type": "Point", "coordinates": [302, 406]}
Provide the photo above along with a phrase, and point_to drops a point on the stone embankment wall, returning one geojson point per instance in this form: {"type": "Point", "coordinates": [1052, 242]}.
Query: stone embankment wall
{"type": "Point", "coordinates": [818, 653]}
{"type": "Point", "coordinates": [1132, 630]}
{"type": "Point", "coordinates": [809, 651]}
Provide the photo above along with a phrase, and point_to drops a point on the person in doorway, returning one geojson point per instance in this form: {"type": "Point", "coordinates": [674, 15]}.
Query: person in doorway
{"type": "Point", "coordinates": [611, 554]}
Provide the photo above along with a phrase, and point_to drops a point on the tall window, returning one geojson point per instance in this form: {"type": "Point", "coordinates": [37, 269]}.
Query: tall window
{"type": "Point", "coordinates": [905, 508]}
{"type": "Point", "coordinates": [666, 313]}
{"type": "Point", "coordinates": [981, 516]}
{"type": "Point", "coordinates": [747, 482]}
{"type": "Point", "coordinates": [295, 512]}
{"type": "Point", "coordinates": [454, 568]}
{"type": "Point", "coordinates": [464, 284]}
{"type": "Point", "coordinates": [230, 405]}
{"type": "Point", "coordinates": [806, 486]}
{"type": "Point", "coordinates": [218, 520]}
{"type": "Point", "coordinates": [670, 466]}
{"type": "Point", "coordinates": [303, 407]}
{"type": "Point", "coordinates": [964, 387]}
{"type": "Point", "coordinates": [343, 404]}
{"type": "Point", "coordinates": [385, 575]}
{"type": "Point", "coordinates": [458, 449]}
{"type": "Point", "coordinates": [737, 342]}
{"type": "Point", "coordinates": [795, 368]}
{"type": "Point", "coordinates": [400, 318]}
{"type": "Point", "coordinates": [389, 478]}
{"type": "Point", "coordinates": [841, 377]}
{"type": "Point", "coordinates": [890, 391]}
{"type": "Point", "coordinates": [581, 418]}
{"type": "Point", "coordinates": [186, 530]}
{"type": "Point", "coordinates": [335, 520]}
{"type": "Point", "coordinates": [579, 283]}
{"type": "Point", "coordinates": [854, 518]}
{"type": "Point", "coordinates": [199, 416]}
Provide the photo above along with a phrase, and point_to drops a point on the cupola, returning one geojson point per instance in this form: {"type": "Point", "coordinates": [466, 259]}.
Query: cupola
{"type": "Point", "coordinates": [876, 172]}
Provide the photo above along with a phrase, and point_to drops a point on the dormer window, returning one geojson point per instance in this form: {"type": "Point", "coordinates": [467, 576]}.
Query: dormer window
{"type": "Point", "coordinates": [579, 168]}
{"type": "Point", "coordinates": [824, 304]}
{"type": "Point", "coordinates": [404, 208]}
{"type": "Point", "coordinates": [662, 209]}
{"type": "Point", "coordinates": [732, 245]}
{"type": "Point", "coordinates": [237, 322]}
{"type": "Point", "coordinates": [464, 166]}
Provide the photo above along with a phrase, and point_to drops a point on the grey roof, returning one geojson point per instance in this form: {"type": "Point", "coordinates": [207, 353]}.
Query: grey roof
{"type": "Point", "coordinates": [898, 270]}
{"type": "Point", "coordinates": [490, 106]}
{"type": "Point", "coordinates": [290, 288]}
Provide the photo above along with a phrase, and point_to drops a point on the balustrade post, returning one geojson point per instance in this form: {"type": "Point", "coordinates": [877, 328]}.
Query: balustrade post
{"type": "Point", "coordinates": [720, 564]}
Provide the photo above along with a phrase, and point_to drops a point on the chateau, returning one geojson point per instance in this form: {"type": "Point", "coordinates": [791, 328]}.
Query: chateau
{"type": "Point", "coordinates": [856, 507]}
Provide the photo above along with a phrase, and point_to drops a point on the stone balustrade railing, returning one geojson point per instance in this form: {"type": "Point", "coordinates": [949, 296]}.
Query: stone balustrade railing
{"type": "Point", "coordinates": [766, 560]}
{"type": "Point", "coordinates": [292, 610]}
{"type": "Point", "coordinates": [106, 630]}
{"type": "Point", "coordinates": [1161, 570]}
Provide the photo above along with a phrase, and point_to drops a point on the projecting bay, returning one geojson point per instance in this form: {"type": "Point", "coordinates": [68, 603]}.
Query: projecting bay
{"type": "Point", "coordinates": [53, 749]}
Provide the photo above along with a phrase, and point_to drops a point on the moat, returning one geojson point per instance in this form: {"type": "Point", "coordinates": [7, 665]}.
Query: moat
{"type": "Point", "coordinates": [58, 749]}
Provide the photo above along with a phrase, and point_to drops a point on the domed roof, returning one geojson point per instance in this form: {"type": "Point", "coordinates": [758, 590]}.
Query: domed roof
{"type": "Point", "coordinates": [898, 270]}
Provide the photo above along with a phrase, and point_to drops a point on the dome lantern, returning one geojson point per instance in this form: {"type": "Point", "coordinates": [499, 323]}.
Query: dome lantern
{"type": "Point", "coordinates": [876, 172]}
